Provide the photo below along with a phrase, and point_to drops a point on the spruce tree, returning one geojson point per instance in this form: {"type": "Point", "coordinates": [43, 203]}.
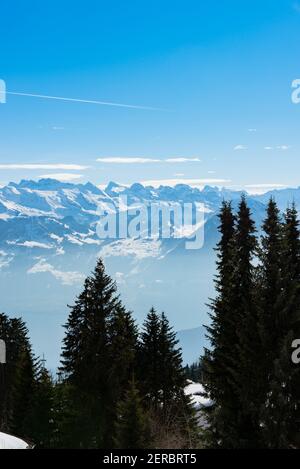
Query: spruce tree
{"type": "Point", "coordinates": [271, 255]}
{"type": "Point", "coordinates": [220, 362]}
{"type": "Point", "coordinates": [94, 374]}
{"type": "Point", "coordinates": [292, 319]}
{"type": "Point", "coordinates": [162, 378]}
{"type": "Point", "coordinates": [132, 424]}
{"type": "Point", "coordinates": [23, 393]}
{"type": "Point", "coordinates": [123, 336]}
{"type": "Point", "coordinates": [248, 347]}
{"type": "Point", "coordinates": [194, 372]}
{"type": "Point", "coordinates": [17, 382]}
{"type": "Point", "coordinates": [272, 301]}
{"type": "Point", "coordinates": [66, 433]}
{"type": "Point", "coordinates": [172, 379]}
{"type": "Point", "coordinates": [280, 414]}
{"type": "Point", "coordinates": [149, 359]}
{"type": "Point", "coordinates": [5, 376]}
{"type": "Point", "coordinates": [162, 375]}
{"type": "Point", "coordinates": [40, 420]}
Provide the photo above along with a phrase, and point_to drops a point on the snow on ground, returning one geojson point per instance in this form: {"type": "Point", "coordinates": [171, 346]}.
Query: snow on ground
{"type": "Point", "coordinates": [195, 391]}
{"type": "Point", "coordinates": [11, 442]}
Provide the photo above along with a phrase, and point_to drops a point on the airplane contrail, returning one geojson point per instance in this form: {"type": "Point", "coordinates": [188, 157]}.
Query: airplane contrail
{"type": "Point", "coordinates": [89, 101]}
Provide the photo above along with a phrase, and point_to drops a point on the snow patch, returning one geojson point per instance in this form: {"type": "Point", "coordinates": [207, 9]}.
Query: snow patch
{"type": "Point", "coordinates": [11, 442]}
{"type": "Point", "coordinates": [195, 391]}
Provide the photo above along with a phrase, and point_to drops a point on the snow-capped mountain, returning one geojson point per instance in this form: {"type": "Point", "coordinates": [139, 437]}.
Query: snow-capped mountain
{"type": "Point", "coordinates": [51, 216]}
{"type": "Point", "coordinates": [49, 242]}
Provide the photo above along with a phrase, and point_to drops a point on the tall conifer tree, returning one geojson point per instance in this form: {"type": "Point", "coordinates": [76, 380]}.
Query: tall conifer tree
{"type": "Point", "coordinates": [17, 383]}
{"type": "Point", "coordinates": [220, 363]}
{"type": "Point", "coordinates": [270, 316]}
{"type": "Point", "coordinates": [92, 370]}
{"type": "Point", "coordinates": [248, 348]}
{"type": "Point", "coordinates": [162, 378]}
{"type": "Point", "coordinates": [280, 414]}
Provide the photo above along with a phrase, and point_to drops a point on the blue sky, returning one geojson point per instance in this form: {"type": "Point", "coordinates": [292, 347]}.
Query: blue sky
{"type": "Point", "coordinates": [218, 74]}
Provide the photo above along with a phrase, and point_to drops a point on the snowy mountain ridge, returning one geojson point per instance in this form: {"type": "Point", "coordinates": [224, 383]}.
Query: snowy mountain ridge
{"type": "Point", "coordinates": [48, 213]}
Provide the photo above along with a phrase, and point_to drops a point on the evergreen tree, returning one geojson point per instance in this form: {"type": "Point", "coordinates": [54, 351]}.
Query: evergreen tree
{"type": "Point", "coordinates": [194, 372]}
{"type": "Point", "coordinates": [132, 425]}
{"type": "Point", "coordinates": [172, 381]}
{"type": "Point", "coordinates": [271, 256]}
{"type": "Point", "coordinates": [220, 363]}
{"type": "Point", "coordinates": [292, 317]}
{"type": "Point", "coordinates": [149, 359]}
{"type": "Point", "coordinates": [66, 433]}
{"type": "Point", "coordinates": [17, 381]}
{"type": "Point", "coordinates": [162, 377]}
{"type": "Point", "coordinates": [123, 336]}
{"type": "Point", "coordinates": [92, 369]}
{"type": "Point", "coordinates": [248, 347]}
{"type": "Point", "coordinates": [248, 374]}
{"type": "Point", "coordinates": [5, 376]}
{"type": "Point", "coordinates": [23, 393]}
{"type": "Point", "coordinates": [271, 306]}
{"type": "Point", "coordinates": [231, 368]}
{"type": "Point", "coordinates": [280, 414]}
{"type": "Point", "coordinates": [40, 420]}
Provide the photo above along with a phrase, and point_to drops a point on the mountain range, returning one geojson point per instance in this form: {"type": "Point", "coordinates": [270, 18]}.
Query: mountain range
{"type": "Point", "coordinates": [49, 243]}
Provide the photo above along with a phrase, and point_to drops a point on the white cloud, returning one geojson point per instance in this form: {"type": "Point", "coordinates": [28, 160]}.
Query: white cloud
{"type": "Point", "coordinates": [182, 160]}
{"type": "Point", "coordinates": [283, 147]}
{"type": "Point", "coordinates": [190, 182]}
{"type": "Point", "coordinates": [240, 147]}
{"type": "Point", "coordinates": [56, 127]}
{"type": "Point", "coordinates": [133, 160]}
{"type": "Point", "coordinates": [117, 160]}
{"type": "Point", "coordinates": [211, 172]}
{"type": "Point", "coordinates": [67, 278]}
{"type": "Point", "coordinates": [252, 130]}
{"type": "Point", "coordinates": [279, 147]}
{"type": "Point", "coordinates": [70, 167]}
{"type": "Point", "coordinates": [63, 177]}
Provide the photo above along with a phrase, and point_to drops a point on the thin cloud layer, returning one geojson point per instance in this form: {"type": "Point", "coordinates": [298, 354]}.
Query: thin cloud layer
{"type": "Point", "coordinates": [133, 160]}
{"type": "Point", "coordinates": [34, 166]}
{"type": "Point", "coordinates": [117, 160]}
{"type": "Point", "coordinates": [240, 147]}
{"type": "Point", "coordinates": [182, 160]}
